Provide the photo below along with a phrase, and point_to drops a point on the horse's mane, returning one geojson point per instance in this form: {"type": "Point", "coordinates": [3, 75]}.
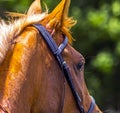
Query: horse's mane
{"type": "Point", "coordinates": [58, 20]}
{"type": "Point", "coordinates": [12, 28]}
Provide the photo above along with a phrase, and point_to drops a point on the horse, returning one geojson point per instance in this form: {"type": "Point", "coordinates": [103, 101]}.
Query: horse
{"type": "Point", "coordinates": [38, 78]}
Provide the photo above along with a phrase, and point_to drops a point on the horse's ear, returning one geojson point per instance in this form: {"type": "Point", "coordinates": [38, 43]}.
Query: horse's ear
{"type": "Point", "coordinates": [35, 8]}
{"type": "Point", "coordinates": [57, 17]}
{"type": "Point", "coordinates": [61, 11]}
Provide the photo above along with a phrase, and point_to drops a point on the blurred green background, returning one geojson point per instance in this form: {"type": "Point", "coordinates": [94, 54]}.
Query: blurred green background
{"type": "Point", "coordinates": [97, 35]}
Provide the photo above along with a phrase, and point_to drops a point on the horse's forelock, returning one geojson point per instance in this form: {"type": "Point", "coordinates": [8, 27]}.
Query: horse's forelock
{"type": "Point", "coordinates": [10, 30]}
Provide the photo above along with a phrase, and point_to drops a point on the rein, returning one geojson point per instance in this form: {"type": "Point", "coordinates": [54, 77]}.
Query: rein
{"type": "Point", "coordinates": [63, 65]}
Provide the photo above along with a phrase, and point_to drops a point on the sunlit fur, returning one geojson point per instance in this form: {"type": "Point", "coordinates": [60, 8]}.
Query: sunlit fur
{"type": "Point", "coordinates": [9, 31]}
{"type": "Point", "coordinates": [57, 20]}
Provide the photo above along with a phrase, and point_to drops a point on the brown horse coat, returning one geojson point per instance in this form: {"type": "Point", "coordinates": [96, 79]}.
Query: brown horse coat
{"type": "Point", "coordinates": [30, 78]}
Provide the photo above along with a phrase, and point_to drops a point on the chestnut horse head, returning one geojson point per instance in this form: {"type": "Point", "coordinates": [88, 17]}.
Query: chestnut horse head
{"type": "Point", "coordinates": [33, 77]}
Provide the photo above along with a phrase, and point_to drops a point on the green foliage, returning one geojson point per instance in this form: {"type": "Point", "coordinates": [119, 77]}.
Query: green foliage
{"type": "Point", "coordinates": [114, 28]}
{"type": "Point", "coordinates": [98, 38]}
{"type": "Point", "coordinates": [97, 18]}
{"type": "Point", "coordinates": [21, 6]}
{"type": "Point", "coordinates": [116, 8]}
{"type": "Point", "coordinates": [104, 62]}
{"type": "Point", "coordinates": [117, 49]}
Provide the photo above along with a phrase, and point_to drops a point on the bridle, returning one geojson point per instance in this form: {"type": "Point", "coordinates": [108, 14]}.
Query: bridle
{"type": "Point", "coordinates": [56, 51]}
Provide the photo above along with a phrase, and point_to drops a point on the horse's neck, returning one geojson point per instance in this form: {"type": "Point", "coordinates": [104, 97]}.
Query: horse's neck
{"type": "Point", "coordinates": [13, 72]}
{"type": "Point", "coordinates": [24, 65]}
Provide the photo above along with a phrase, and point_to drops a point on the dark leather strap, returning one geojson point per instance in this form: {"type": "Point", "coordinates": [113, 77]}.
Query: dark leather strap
{"type": "Point", "coordinates": [92, 105]}
{"type": "Point", "coordinates": [57, 54]}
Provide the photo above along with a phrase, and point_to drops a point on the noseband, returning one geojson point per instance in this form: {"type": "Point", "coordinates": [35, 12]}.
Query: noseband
{"type": "Point", "coordinates": [63, 65]}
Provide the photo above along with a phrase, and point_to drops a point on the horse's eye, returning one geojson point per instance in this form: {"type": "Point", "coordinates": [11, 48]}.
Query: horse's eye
{"type": "Point", "coordinates": [79, 65]}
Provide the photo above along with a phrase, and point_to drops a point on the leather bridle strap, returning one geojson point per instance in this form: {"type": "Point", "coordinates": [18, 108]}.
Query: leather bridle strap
{"type": "Point", "coordinates": [92, 105]}
{"type": "Point", "coordinates": [64, 67]}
